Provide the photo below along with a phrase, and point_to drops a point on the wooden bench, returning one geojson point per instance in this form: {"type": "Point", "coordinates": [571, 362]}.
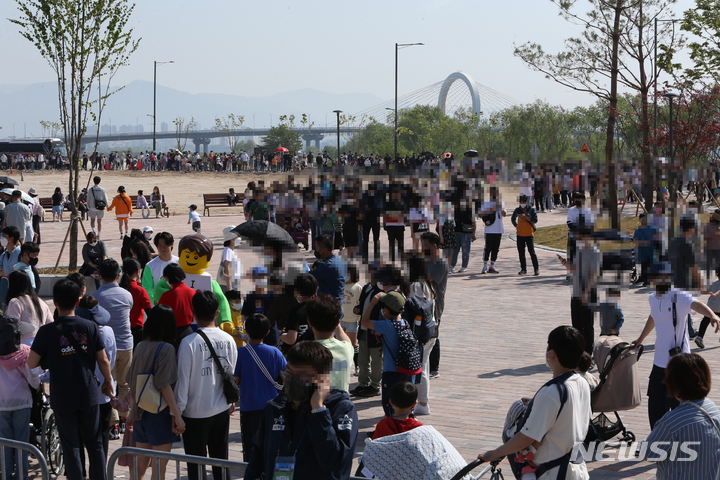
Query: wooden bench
{"type": "Point", "coordinates": [219, 200]}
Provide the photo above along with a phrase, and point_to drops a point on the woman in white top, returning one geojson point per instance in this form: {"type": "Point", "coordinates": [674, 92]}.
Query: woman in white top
{"type": "Point", "coordinates": [22, 302]}
{"type": "Point", "coordinates": [230, 267]}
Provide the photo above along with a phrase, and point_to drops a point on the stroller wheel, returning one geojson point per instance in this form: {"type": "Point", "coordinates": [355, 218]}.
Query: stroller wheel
{"type": "Point", "coordinates": [630, 437]}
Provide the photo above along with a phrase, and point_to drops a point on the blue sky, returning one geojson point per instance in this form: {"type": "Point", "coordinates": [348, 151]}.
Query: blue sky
{"type": "Point", "coordinates": [262, 47]}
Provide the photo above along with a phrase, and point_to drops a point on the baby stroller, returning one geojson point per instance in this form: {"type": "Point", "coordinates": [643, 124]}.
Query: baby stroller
{"type": "Point", "coordinates": [298, 229]}
{"type": "Point", "coordinates": [420, 453]}
{"type": "Point", "coordinates": [44, 433]}
{"type": "Point", "coordinates": [618, 390]}
{"type": "Point", "coordinates": [618, 255]}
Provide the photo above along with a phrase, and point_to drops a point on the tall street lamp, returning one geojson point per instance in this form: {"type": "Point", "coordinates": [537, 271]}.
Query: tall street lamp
{"type": "Point", "coordinates": [671, 96]}
{"type": "Point", "coordinates": [398, 46]}
{"type": "Point", "coordinates": [155, 64]}
{"type": "Point", "coordinates": [338, 112]}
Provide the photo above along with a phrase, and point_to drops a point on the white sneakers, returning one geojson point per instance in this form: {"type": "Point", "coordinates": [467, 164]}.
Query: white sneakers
{"type": "Point", "coordinates": [462, 270]}
{"type": "Point", "coordinates": [421, 409]}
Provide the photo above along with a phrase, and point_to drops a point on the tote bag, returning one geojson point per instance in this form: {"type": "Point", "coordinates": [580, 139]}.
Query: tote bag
{"type": "Point", "coordinates": [149, 397]}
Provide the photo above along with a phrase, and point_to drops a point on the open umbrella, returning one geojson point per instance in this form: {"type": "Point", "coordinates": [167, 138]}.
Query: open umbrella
{"type": "Point", "coordinates": [281, 149]}
{"type": "Point", "coordinates": [471, 153]}
{"type": "Point", "coordinates": [262, 232]}
{"type": "Point", "coordinates": [25, 197]}
{"type": "Point", "coordinates": [7, 181]}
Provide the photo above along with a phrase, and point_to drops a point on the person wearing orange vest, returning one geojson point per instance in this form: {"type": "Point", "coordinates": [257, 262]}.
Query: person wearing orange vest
{"type": "Point", "coordinates": [123, 209]}
{"type": "Point", "coordinates": [524, 219]}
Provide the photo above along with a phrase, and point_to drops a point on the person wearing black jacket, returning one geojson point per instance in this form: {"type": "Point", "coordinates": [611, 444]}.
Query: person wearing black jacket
{"type": "Point", "coordinates": [310, 423]}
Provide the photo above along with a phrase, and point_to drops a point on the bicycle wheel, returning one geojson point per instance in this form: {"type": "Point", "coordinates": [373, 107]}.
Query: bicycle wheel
{"type": "Point", "coordinates": [51, 443]}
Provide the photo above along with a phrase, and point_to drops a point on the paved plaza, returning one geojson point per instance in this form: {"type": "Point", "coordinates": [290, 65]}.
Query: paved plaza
{"type": "Point", "coordinates": [493, 335]}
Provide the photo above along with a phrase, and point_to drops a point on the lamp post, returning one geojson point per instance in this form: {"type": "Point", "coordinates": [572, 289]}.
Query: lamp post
{"type": "Point", "coordinates": [338, 112]}
{"type": "Point", "coordinates": [671, 97]}
{"type": "Point", "coordinates": [398, 46]}
{"type": "Point", "coordinates": [154, 115]}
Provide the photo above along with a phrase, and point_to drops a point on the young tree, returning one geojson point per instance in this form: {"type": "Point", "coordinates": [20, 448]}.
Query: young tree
{"type": "Point", "coordinates": [703, 21]}
{"type": "Point", "coordinates": [283, 136]}
{"type": "Point", "coordinates": [230, 126]}
{"type": "Point", "coordinates": [52, 128]}
{"type": "Point", "coordinates": [85, 42]}
{"type": "Point", "coordinates": [182, 131]}
{"type": "Point", "coordinates": [614, 48]}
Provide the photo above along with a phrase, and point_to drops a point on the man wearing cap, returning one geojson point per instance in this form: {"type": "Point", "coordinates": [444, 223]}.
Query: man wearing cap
{"type": "Point", "coordinates": [36, 211]}
{"type": "Point", "coordinates": [153, 271]}
{"type": "Point", "coordinates": [18, 215]}
{"type": "Point", "coordinates": [392, 304]}
{"type": "Point", "coordinates": [669, 311]}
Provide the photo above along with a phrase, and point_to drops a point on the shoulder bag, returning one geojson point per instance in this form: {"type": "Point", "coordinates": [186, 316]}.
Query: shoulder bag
{"type": "Point", "coordinates": [230, 388]}
{"type": "Point", "coordinates": [99, 204]}
{"type": "Point", "coordinates": [148, 396]}
{"type": "Point", "coordinates": [262, 368]}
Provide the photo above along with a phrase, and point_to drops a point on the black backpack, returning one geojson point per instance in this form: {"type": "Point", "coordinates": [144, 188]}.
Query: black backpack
{"type": "Point", "coordinates": [418, 314]}
{"type": "Point", "coordinates": [409, 357]}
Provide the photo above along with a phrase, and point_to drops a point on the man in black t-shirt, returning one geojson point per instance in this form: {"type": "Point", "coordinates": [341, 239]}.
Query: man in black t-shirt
{"type": "Point", "coordinates": [73, 383]}
{"type": "Point", "coordinates": [296, 326]}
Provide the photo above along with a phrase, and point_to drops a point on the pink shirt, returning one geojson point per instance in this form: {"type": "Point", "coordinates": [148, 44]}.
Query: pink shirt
{"type": "Point", "coordinates": [23, 308]}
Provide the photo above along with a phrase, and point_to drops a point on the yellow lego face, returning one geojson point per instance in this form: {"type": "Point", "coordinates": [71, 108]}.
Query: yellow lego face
{"type": "Point", "coordinates": [193, 263]}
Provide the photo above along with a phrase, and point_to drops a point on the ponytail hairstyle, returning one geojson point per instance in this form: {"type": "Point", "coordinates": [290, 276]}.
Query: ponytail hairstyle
{"type": "Point", "coordinates": [130, 267]}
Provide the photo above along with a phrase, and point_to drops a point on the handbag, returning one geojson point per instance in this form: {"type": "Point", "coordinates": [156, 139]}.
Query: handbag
{"type": "Point", "coordinates": [262, 368]}
{"type": "Point", "coordinates": [230, 388]}
{"type": "Point", "coordinates": [149, 397]}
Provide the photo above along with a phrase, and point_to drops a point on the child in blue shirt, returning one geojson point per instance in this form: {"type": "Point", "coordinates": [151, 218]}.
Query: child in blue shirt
{"type": "Point", "coordinates": [256, 372]}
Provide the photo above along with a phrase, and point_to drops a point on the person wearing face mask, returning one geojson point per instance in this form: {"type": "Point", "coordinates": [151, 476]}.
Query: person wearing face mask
{"type": "Point", "coordinates": [153, 271]}
{"type": "Point", "coordinates": [577, 216]}
{"type": "Point", "coordinates": [330, 273]}
{"type": "Point", "coordinates": [146, 239]}
{"type": "Point", "coordinates": [230, 270]}
{"type": "Point", "coordinates": [297, 328]}
{"type": "Point", "coordinates": [492, 213]}
{"type": "Point", "coordinates": [10, 241]}
{"type": "Point", "coordinates": [310, 426]}
{"type": "Point", "coordinates": [669, 310]}
{"type": "Point", "coordinates": [93, 253]}
{"type": "Point", "coordinates": [27, 263]}
{"type": "Point", "coordinates": [524, 218]}
{"type": "Point", "coordinates": [611, 316]}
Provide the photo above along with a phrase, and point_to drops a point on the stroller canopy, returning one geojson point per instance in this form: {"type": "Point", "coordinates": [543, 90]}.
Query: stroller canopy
{"type": "Point", "coordinates": [619, 387]}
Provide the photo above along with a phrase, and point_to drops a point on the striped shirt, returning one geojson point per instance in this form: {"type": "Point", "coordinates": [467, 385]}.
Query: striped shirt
{"type": "Point", "coordinates": [687, 424]}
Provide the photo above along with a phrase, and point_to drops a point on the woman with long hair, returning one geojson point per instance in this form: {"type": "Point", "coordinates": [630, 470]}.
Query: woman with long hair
{"type": "Point", "coordinates": [22, 302]}
{"type": "Point", "coordinates": [157, 200]}
{"type": "Point", "coordinates": [129, 280]}
{"type": "Point", "coordinates": [155, 354]}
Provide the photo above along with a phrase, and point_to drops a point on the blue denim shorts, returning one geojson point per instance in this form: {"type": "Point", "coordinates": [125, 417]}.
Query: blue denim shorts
{"type": "Point", "coordinates": [155, 429]}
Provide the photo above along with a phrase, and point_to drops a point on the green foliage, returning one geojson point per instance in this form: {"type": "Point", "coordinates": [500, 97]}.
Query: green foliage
{"type": "Point", "coordinates": [703, 21]}
{"type": "Point", "coordinates": [182, 131]}
{"type": "Point", "coordinates": [245, 145]}
{"type": "Point", "coordinates": [283, 136]}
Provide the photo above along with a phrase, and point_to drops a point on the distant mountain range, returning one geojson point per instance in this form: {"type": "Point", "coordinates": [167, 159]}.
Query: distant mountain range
{"type": "Point", "coordinates": [27, 105]}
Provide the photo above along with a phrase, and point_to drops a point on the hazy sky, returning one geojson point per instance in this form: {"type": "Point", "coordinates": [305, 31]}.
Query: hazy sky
{"type": "Point", "coordinates": [262, 47]}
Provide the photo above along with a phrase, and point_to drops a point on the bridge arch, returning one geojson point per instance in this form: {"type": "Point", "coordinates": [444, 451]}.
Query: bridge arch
{"type": "Point", "coordinates": [474, 93]}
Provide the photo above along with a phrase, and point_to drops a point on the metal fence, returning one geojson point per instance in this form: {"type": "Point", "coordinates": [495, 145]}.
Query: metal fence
{"type": "Point", "coordinates": [202, 463]}
{"type": "Point", "coordinates": [19, 447]}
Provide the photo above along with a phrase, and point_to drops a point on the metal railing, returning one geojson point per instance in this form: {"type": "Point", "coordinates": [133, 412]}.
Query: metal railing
{"type": "Point", "coordinates": [202, 462]}
{"type": "Point", "coordinates": [19, 447]}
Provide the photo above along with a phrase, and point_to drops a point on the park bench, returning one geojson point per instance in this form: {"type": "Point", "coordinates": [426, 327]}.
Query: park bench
{"type": "Point", "coordinates": [218, 200]}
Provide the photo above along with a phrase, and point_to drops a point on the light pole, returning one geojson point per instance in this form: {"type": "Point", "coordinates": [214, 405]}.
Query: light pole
{"type": "Point", "coordinates": [671, 96]}
{"type": "Point", "coordinates": [656, 72]}
{"type": "Point", "coordinates": [155, 64]}
{"type": "Point", "coordinates": [338, 112]}
{"type": "Point", "coordinates": [398, 46]}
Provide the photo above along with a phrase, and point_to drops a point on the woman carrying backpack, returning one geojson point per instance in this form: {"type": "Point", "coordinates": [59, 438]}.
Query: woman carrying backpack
{"type": "Point", "coordinates": [124, 210]}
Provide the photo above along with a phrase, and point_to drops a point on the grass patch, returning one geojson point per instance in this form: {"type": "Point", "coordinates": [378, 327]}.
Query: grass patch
{"type": "Point", "coordinates": [555, 236]}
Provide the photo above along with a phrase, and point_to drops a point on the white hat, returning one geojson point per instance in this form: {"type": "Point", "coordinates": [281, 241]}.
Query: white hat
{"type": "Point", "coordinates": [148, 229]}
{"type": "Point", "coordinates": [228, 233]}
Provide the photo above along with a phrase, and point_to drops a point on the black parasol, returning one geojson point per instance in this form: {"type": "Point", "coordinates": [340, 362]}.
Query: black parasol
{"type": "Point", "coordinates": [262, 232]}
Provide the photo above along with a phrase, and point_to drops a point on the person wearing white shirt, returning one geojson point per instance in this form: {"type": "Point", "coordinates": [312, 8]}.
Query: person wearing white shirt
{"type": "Point", "coordinates": [492, 213]}
{"type": "Point", "coordinates": [669, 310]}
{"type": "Point", "coordinates": [199, 388]}
{"type": "Point", "coordinates": [230, 270]}
{"type": "Point", "coordinates": [153, 271]}
{"type": "Point", "coordinates": [552, 429]}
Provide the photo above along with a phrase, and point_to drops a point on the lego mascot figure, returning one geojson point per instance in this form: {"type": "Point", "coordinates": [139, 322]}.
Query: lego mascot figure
{"type": "Point", "coordinates": [195, 255]}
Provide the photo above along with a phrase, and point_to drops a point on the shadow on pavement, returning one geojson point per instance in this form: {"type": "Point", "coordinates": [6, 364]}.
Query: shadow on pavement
{"type": "Point", "coordinates": [516, 372]}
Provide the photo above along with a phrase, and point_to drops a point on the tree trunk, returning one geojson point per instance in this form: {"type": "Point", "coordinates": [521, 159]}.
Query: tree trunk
{"type": "Point", "coordinates": [609, 140]}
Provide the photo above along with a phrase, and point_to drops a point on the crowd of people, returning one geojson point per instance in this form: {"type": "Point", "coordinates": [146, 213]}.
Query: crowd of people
{"type": "Point", "coordinates": [280, 341]}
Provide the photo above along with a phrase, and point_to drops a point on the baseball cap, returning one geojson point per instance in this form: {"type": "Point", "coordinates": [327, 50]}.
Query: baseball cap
{"type": "Point", "coordinates": [259, 270]}
{"type": "Point", "coordinates": [393, 301]}
{"type": "Point", "coordinates": [148, 229]}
